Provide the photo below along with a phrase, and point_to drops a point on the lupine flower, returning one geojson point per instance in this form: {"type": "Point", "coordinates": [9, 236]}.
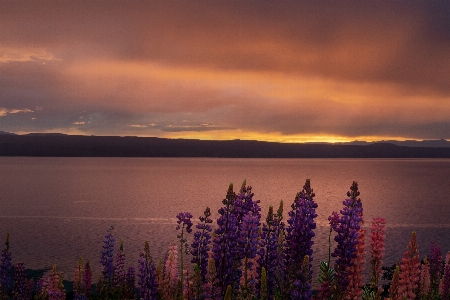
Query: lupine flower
{"type": "Point", "coordinates": [79, 290]}
{"type": "Point", "coordinates": [147, 275]}
{"type": "Point", "coordinates": [170, 272]}
{"type": "Point", "coordinates": [354, 290]}
{"type": "Point", "coordinates": [326, 276]}
{"type": "Point", "coordinates": [299, 241]}
{"type": "Point", "coordinates": [41, 289]}
{"type": "Point", "coordinates": [188, 284]}
{"type": "Point", "coordinates": [409, 275]}
{"type": "Point", "coordinates": [198, 284]}
{"type": "Point", "coordinates": [225, 247]}
{"type": "Point", "coordinates": [247, 244]}
{"type": "Point", "coordinates": [445, 282]}
{"type": "Point", "coordinates": [55, 288]}
{"type": "Point", "coordinates": [130, 283]}
{"type": "Point", "coordinates": [184, 223]}
{"type": "Point", "coordinates": [209, 289]}
{"type": "Point", "coordinates": [424, 284]}
{"type": "Point", "coordinates": [22, 288]}
{"type": "Point", "coordinates": [6, 268]}
{"type": "Point", "coordinates": [435, 260]}
{"type": "Point", "coordinates": [377, 238]}
{"type": "Point", "coordinates": [347, 231]}
{"type": "Point", "coordinates": [87, 279]}
{"type": "Point", "coordinates": [201, 244]}
{"type": "Point", "coordinates": [107, 260]}
{"type": "Point", "coordinates": [269, 257]}
{"type": "Point", "coordinates": [119, 270]}
{"type": "Point", "coordinates": [394, 288]}
{"type": "Point", "coordinates": [244, 203]}
{"type": "Point", "coordinates": [263, 284]}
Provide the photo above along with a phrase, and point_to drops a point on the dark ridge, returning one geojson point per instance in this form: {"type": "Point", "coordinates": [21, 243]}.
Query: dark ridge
{"type": "Point", "coordinates": [58, 145]}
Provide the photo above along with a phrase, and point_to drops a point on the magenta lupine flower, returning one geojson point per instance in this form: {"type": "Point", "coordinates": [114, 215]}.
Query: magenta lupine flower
{"type": "Point", "coordinates": [424, 284]}
{"type": "Point", "coordinates": [435, 260]}
{"type": "Point", "coordinates": [55, 287]}
{"type": "Point", "coordinates": [147, 275]}
{"type": "Point", "coordinates": [354, 290]}
{"type": "Point", "coordinates": [409, 275]}
{"type": "Point", "coordinates": [377, 242]}
{"type": "Point", "coordinates": [444, 289]}
{"type": "Point", "coordinates": [22, 288]}
{"type": "Point", "coordinates": [347, 227]}
{"type": "Point", "coordinates": [87, 279]}
{"type": "Point", "coordinates": [6, 268]}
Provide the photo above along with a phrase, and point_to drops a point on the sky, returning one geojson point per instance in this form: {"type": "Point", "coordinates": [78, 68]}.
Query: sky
{"type": "Point", "coordinates": [287, 71]}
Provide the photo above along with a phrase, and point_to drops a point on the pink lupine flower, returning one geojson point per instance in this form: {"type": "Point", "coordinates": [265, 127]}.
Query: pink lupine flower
{"type": "Point", "coordinates": [409, 275]}
{"type": "Point", "coordinates": [171, 265]}
{"type": "Point", "coordinates": [377, 238]}
{"type": "Point", "coordinates": [394, 289]}
{"type": "Point", "coordinates": [424, 285]}
{"type": "Point", "coordinates": [444, 288]}
{"type": "Point", "coordinates": [170, 276]}
{"type": "Point", "coordinates": [354, 290]}
{"type": "Point", "coordinates": [188, 285]}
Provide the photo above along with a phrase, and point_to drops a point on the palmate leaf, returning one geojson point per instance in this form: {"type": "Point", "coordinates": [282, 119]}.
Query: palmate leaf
{"type": "Point", "coordinates": [326, 273]}
{"type": "Point", "coordinates": [368, 293]}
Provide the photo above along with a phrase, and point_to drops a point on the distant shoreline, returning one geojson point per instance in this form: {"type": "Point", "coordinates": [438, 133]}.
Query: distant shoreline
{"type": "Point", "coordinates": [60, 145]}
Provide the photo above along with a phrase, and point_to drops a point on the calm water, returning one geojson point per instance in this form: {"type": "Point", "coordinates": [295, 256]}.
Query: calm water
{"type": "Point", "coordinates": [57, 209]}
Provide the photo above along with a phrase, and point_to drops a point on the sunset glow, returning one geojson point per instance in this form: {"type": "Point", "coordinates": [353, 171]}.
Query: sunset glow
{"type": "Point", "coordinates": [287, 71]}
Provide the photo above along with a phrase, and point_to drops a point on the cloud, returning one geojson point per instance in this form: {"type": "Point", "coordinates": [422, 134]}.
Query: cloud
{"type": "Point", "coordinates": [25, 55]}
{"type": "Point", "coordinates": [5, 111]}
{"type": "Point", "coordinates": [267, 69]}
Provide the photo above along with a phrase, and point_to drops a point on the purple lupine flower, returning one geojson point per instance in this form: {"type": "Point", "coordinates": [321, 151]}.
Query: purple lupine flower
{"type": "Point", "coordinates": [6, 268]}
{"type": "Point", "coordinates": [105, 284]}
{"type": "Point", "coordinates": [201, 244]}
{"type": "Point", "coordinates": [22, 289]}
{"type": "Point", "coordinates": [346, 227]}
{"type": "Point", "coordinates": [225, 247]}
{"type": "Point", "coordinates": [247, 244]}
{"type": "Point", "coordinates": [184, 223]}
{"type": "Point", "coordinates": [244, 203]}
{"type": "Point", "coordinates": [41, 288]}
{"type": "Point", "coordinates": [130, 283]}
{"type": "Point", "coordinates": [435, 260]}
{"type": "Point", "coordinates": [147, 275]}
{"type": "Point", "coordinates": [119, 268]}
{"type": "Point", "coordinates": [299, 241]}
{"type": "Point", "coordinates": [268, 253]}
{"type": "Point", "coordinates": [107, 256]}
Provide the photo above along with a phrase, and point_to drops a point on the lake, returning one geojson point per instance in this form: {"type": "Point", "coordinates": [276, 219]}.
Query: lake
{"type": "Point", "coordinates": [58, 209]}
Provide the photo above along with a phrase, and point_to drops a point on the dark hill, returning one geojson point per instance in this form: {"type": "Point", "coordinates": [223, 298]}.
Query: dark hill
{"type": "Point", "coordinates": [114, 146]}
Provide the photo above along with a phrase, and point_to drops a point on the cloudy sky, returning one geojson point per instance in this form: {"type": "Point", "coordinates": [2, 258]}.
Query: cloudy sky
{"type": "Point", "coordinates": [227, 69]}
